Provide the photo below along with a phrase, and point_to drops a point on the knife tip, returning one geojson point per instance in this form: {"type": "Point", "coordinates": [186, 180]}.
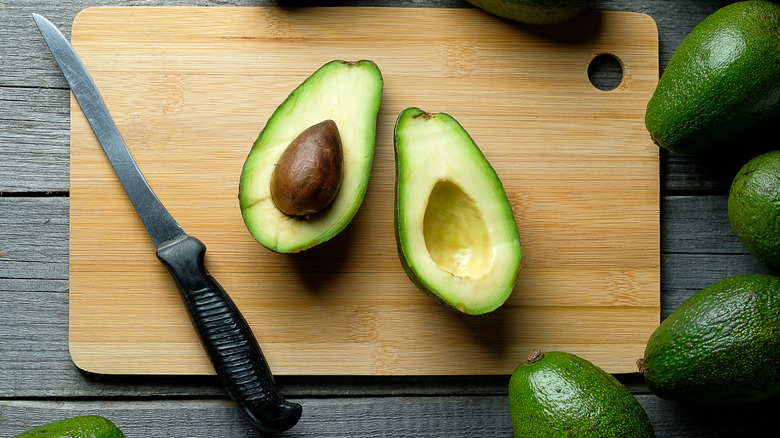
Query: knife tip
{"type": "Point", "coordinates": [42, 22]}
{"type": "Point", "coordinates": [38, 18]}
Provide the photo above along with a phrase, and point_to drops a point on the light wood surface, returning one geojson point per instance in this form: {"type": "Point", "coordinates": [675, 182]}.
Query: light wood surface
{"type": "Point", "coordinates": [190, 89]}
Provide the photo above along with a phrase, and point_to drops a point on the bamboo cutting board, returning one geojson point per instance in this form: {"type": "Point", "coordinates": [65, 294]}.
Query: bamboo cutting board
{"type": "Point", "coordinates": [190, 89]}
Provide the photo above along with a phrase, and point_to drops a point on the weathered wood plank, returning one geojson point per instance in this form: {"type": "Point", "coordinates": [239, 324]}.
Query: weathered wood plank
{"type": "Point", "coordinates": [698, 225]}
{"type": "Point", "coordinates": [35, 139]}
{"type": "Point", "coordinates": [682, 275]}
{"type": "Point", "coordinates": [34, 240]}
{"type": "Point", "coordinates": [343, 417]}
{"type": "Point", "coordinates": [375, 417]}
{"type": "Point", "coordinates": [711, 172]}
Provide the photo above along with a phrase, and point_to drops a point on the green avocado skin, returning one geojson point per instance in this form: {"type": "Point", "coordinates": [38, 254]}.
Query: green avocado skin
{"type": "Point", "coordinates": [564, 395]}
{"type": "Point", "coordinates": [723, 80]}
{"type": "Point", "coordinates": [84, 426]}
{"type": "Point", "coordinates": [541, 12]}
{"type": "Point", "coordinates": [754, 208]}
{"type": "Point", "coordinates": [722, 345]}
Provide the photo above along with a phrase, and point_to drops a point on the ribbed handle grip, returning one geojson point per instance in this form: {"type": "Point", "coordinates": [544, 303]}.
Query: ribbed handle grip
{"type": "Point", "coordinates": [228, 339]}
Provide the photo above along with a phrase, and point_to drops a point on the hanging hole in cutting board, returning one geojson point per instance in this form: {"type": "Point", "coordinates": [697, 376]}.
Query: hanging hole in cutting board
{"type": "Point", "coordinates": [605, 72]}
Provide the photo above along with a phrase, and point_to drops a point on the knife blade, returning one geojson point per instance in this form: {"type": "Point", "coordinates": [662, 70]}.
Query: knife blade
{"type": "Point", "coordinates": [226, 336]}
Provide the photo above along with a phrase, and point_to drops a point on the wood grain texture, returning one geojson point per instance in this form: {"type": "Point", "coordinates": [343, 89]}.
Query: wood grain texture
{"type": "Point", "coordinates": [34, 329]}
{"type": "Point", "coordinates": [27, 72]}
{"type": "Point", "coordinates": [190, 93]}
{"type": "Point", "coordinates": [39, 381]}
{"type": "Point", "coordinates": [370, 417]}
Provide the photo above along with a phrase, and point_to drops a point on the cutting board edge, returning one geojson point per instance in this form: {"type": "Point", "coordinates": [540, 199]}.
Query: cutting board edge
{"type": "Point", "coordinates": [79, 362]}
{"type": "Point", "coordinates": [94, 9]}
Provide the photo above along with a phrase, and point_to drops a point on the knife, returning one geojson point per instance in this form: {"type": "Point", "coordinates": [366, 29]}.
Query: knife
{"type": "Point", "coordinates": [225, 334]}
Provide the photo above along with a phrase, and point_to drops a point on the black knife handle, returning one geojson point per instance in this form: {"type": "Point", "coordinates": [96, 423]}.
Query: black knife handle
{"type": "Point", "coordinates": [228, 339]}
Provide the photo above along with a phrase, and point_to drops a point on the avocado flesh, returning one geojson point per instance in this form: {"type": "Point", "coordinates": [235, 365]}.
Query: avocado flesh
{"type": "Point", "coordinates": [722, 81]}
{"type": "Point", "coordinates": [348, 93]}
{"type": "Point", "coordinates": [558, 394]}
{"type": "Point", "coordinates": [722, 345]}
{"type": "Point", "coordinates": [455, 230]}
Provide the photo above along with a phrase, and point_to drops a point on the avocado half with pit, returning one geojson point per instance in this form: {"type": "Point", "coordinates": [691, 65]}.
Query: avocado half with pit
{"type": "Point", "coordinates": [454, 226]}
{"type": "Point", "coordinates": [306, 174]}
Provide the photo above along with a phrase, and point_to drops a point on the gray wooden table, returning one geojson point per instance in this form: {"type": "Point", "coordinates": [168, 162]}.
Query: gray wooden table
{"type": "Point", "coordinates": [39, 383]}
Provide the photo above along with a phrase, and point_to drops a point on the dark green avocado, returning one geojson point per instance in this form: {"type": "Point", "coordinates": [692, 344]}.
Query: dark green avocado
{"type": "Point", "coordinates": [754, 208]}
{"type": "Point", "coordinates": [722, 345]}
{"type": "Point", "coordinates": [83, 426]}
{"type": "Point", "coordinates": [722, 81]}
{"type": "Point", "coordinates": [541, 12]}
{"type": "Point", "coordinates": [558, 394]}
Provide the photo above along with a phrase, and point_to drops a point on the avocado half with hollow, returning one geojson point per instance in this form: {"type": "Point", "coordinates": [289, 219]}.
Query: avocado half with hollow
{"type": "Point", "coordinates": [306, 174]}
{"type": "Point", "coordinates": [455, 230]}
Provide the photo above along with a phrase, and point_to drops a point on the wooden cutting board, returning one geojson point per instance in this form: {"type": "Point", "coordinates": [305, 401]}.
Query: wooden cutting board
{"type": "Point", "coordinates": [191, 88]}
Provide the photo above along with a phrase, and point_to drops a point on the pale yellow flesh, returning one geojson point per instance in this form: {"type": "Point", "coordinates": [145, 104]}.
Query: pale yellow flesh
{"type": "Point", "coordinates": [455, 233]}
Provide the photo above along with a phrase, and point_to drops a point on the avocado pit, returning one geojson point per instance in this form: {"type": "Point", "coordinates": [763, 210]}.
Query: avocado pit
{"type": "Point", "coordinates": [308, 175]}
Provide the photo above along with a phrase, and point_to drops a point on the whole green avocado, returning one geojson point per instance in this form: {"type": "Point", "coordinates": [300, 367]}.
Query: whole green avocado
{"type": "Point", "coordinates": [722, 345]}
{"type": "Point", "coordinates": [83, 426]}
{"type": "Point", "coordinates": [559, 394]}
{"type": "Point", "coordinates": [754, 208]}
{"type": "Point", "coordinates": [535, 11]}
{"type": "Point", "coordinates": [722, 81]}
